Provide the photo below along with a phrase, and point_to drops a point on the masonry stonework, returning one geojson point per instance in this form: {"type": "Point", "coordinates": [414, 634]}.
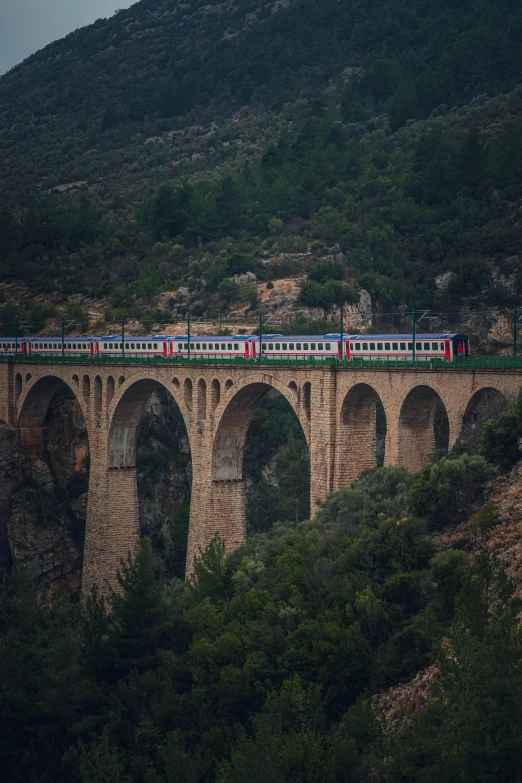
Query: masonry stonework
{"type": "Point", "coordinates": [335, 407]}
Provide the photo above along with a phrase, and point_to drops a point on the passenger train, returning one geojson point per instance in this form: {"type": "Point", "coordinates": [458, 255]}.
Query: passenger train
{"type": "Point", "coordinates": [365, 347]}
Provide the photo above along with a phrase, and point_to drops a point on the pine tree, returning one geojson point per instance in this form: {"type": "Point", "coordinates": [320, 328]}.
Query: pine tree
{"type": "Point", "coordinates": [141, 615]}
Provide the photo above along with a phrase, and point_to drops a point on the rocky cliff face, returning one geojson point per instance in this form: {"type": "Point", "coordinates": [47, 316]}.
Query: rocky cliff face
{"type": "Point", "coordinates": [164, 481]}
{"type": "Point", "coordinates": [43, 502]}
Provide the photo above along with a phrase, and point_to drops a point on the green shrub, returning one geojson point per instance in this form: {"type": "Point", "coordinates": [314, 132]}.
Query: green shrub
{"type": "Point", "coordinates": [500, 437]}
{"type": "Point", "coordinates": [445, 492]}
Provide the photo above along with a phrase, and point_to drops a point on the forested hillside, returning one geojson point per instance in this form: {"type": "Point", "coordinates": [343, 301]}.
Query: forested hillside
{"type": "Point", "coordinates": [184, 143]}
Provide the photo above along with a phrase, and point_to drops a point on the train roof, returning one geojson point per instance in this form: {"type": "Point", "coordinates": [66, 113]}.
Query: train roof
{"type": "Point", "coordinates": [367, 337]}
{"type": "Point", "coordinates": [132, 338]}
{"type": "Point", "coordinates": [67, 339]}
{"type": "Point", "coordinates": [298, 337]}
{"type": "Point", "coordinates": [207, 337]}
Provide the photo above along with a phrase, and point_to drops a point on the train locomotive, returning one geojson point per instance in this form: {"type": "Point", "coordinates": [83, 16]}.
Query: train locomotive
{"type": "Point", "coordinates": [355, 348]}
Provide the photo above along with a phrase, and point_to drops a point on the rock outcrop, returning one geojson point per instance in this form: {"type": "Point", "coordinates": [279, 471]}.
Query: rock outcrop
{"type": "Point", "coordinates": [43, 502]}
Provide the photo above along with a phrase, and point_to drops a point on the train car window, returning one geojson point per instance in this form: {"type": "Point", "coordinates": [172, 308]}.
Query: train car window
{"type": "Point", "coordinates": [312, 346]}
{"type": "Point", "coordinates": [328, 346]}
{"type": "Point", "coordinates": [149, 346]}
{"type": "Point", "coordinates": [305, 346]}
{"type": "Point", "coordinates": [278, 346]}
{"type": "Point", "coordinates": [298, 346]}
{"type": "Point", "coordinates": [204, 346]}
{"type": "Point", "coordinates": [74, 346]}
{"type": "Point", "coordinates": [198, 346]}
{"type": "Point", "coordinates": [372, 346]}
{"type": "Point", "coordinates": [386, 346]}
{"type": "Point", "coordinates": [229, 347]}
{"type": "Point", "coordinates": [379, 346]}
{"type": "Point", "coordinates": [434, 347]}
{"type": "Point", "coordinates": [223, 346]}
{"type": "Point", "coordinates": [426, 346]}
{"type": "Point", "coordinates": [271, 346]}
{"type": "Point", "coordinates": [263, 347]}
{"type": "Point", "coordinates": [395, 346]}
{"type": "Point", "coordinates": [236, 346]}
{"type": "Point", "coordinates": [410, 346]}
{"type": "Point", "coordinates": [319, 346]}
{"type": "Point", "coordinates": [441, 346]}
{"type": "Point", "coordinates": [365, 346]}
{"type": "Point", "coordinates": [291, 347]}
{"type": "Point", "coordinates": [357, 346]}
{"type": "Point", "coordinates": [132, 346]}
{"type": "Point", "coordinates": [284, 346]}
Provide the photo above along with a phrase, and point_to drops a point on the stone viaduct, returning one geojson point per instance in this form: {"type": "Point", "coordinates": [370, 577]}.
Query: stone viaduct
{"type": "Point", "coordinates": [335, 407]}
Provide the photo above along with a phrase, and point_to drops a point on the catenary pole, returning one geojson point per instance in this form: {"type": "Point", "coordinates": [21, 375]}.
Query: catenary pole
{"type": "Point", "coordinates": [188, 333]}
{"type": "Point", "coordinates": [260, 337]}
{"type": "Point", "coordinates": [413, 330]}
{"type": "Point", "coordinates": [342, 351]}
{"type": "Point", "coordinates": [515, 330]}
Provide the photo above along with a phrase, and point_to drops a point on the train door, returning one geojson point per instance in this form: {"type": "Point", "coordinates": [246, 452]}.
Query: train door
{"type": "Point", "coordinates": [164, 350]}
{"type": "Point", "coordinates": [460, 347]}
{"type": "Point", "coordinates": [247, 350]}
{"type": "Point", "coordinates": [447, 350]}
{"type": "Point", "coordinates": [254, 351]}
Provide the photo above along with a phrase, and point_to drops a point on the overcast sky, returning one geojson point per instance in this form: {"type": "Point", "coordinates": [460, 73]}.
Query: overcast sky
{"type": "Point", "coordinates": [29, 25]}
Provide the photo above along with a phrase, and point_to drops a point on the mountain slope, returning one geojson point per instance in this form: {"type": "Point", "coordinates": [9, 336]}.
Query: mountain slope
{"type": "Point", "coordinates": [207, 140]}
{"type": "Point", "coordinates": [75, 110]}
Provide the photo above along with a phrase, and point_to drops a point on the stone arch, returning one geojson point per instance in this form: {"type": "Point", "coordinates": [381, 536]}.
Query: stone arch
{"type": "Point", "coordinates": [486, 403]}
{"type": "Point", "coordinates": [33, 407]}
{"type": "Point", "coordinates": [18, 385]}
{"type": "Point", "coordinates": [54, 432]}
{"type": "Point", "coordinates": [122, 516]}
{"type": "Point", "coordinates": [36, 396]}
{"type": "Point", "coordinates": [98, 386]}
{"type": "Point", "coordinates": [357, 439]}
{"type": "Point", "coordinates": [215, 394]}
{"type": "Point", "coordinates": [421, 411]}
{"type": "Point", "coordinates": [109, 390]}
{"type": "Point", "coordinates": [227, 502]}
{"type": "Point", "coordinates": [86, 388]}
{"type": "Point", "coordinates": [187, 393]}
{"type": "Point", "coordinates": [202, 400]}
{"type": "Point", "coordinates": [125, 413]}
